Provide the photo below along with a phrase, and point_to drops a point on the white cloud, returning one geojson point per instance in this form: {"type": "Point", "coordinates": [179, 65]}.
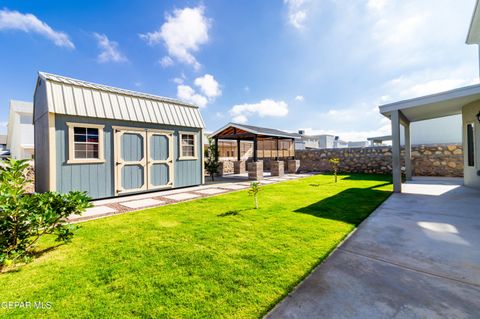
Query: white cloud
{"type": "Point", "coordinates": [299, 98]}
{"type": "Point", "coordinates": [182, 34]}
{"type": "Point", "coordinates": [240, 119]}
{"type": "Point", "coordinates": [265, 108]}
{"type": "Point", "coordinates": [208, 85]}
{"type": "Point", "coordinates": [376, 4]}
{"type": "Point", "coordinates": [109, 51]}
{"type": "Point", "coordinates": [429, 81]}
{"type": "Point", "coordinates": [178, 80]}
{"type": "Point", "coordinates": [166, 61]}
{"type": "Point", "coordinates": [14, 20]}
{"type": "Point", "coordinates": [297, 13]}
{"type": "Point", "coordinates": [411, 33]}
{"type": "Point", "coordinates": [188, 94]}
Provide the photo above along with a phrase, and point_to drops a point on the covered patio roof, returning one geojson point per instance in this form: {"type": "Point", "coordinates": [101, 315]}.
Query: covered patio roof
{"type": "Point", "coordinates": [238, 132]}
{"type": "Point", "coordinates": [422, 108]}
{"type": "Point", "coordinates": [248, 132]}
{"type": "Point", "coordinates": [434, 105]}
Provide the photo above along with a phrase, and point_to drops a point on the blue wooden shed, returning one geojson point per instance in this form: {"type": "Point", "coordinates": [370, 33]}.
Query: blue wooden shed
{"type": "Point", "coordinates": [110, 142]}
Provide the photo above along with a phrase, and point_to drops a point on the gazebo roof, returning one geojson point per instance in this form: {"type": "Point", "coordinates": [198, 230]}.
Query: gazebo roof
{"type": "Point", "coordinates": [242, 131]}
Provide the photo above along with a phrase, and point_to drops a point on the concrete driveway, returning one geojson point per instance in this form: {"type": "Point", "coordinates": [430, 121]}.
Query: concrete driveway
{"type": "Point", "coordinates": [416, 256]}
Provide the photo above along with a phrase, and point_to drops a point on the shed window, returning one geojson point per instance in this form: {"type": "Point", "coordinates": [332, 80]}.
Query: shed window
{"type": "Point", "coordinates": [187, 146]}
{"type": "Point", "coordinates": [470, 145]}
{"type": "Point", "coordinates": [85, 143]}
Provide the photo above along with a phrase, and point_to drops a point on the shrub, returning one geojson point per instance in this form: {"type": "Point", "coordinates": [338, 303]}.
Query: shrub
{"type": "Point", "coordinates": [211, 158]}
{"type": "Point", "coordinates": [25, 218]}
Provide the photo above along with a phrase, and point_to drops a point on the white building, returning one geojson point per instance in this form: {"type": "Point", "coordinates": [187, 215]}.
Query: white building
{"type": "Point", "coordinates": [321, 141]}
{"type": "Point", "coordinates": [20, 130]}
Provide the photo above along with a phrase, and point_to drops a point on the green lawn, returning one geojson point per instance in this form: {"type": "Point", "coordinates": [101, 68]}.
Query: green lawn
{"type": "Point", "coordinates": [209, 258]}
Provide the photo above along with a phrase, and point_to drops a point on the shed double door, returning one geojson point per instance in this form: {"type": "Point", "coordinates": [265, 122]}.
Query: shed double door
{"type": "Point", "coordinates": [143, 160]}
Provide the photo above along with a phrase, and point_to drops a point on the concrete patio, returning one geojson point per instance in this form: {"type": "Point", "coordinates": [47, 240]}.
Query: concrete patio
{"type": "Point", "coordinates": [416, 256]}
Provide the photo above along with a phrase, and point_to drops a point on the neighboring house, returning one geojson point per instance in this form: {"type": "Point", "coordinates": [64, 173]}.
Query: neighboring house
{"type": "Point", "coordinates": [464, 103]}
{"type": "Point", "coordinates": [379, 140]}
{"type": "Point", "coordinates": [108, 141]}
{"type": "Point", "coordinates": [358, 144]}
{"type": "Point", "coordinates": [321, 141]}
{"type": "Point", "coordinates": [4, 153]}
{"type": "Point", "coordinates": [3, 142]}
{"type": "Point", "coordinates": [20, 130]}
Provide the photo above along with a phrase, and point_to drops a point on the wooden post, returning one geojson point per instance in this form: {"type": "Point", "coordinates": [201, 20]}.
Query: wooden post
{"type": "Point", "coordinates": [238, 149]}
{"type": "Point", "coordinates": [276, 157]}
{"type": "Point", "coordinates": [255, 146]}
{"type": "Point", "coordinates": [293, 146]}
{"type": "Point", "coordinates": [216, 149]}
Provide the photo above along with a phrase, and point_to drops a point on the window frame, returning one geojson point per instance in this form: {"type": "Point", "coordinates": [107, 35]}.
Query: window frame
{"type": "Point", "coordinates": [195, 146]}
{"type": "Point", "coordinates": [71, 144]}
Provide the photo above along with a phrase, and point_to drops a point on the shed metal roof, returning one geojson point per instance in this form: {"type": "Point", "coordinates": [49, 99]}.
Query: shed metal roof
{"type": "Point", "coordinates": [80, 98]}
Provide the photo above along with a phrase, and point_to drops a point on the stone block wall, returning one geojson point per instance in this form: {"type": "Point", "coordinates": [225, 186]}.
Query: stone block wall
{"type": "Point", "coordinates": [225, 167]}
{"type": "Point", "coordinates": [427, 160]}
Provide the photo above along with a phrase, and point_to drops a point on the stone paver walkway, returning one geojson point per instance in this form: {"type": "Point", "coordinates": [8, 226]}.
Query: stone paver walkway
{"type": "Point", "coordinates": [123, 204]}
{"type": "Point", "coordinates": [416, 256]}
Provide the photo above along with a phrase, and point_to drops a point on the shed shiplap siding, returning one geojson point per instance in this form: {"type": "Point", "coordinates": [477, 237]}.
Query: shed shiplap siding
{"type": "Point", "coordinates": [74, 97]}
{"type": "Point", "coordinates": [98, 179]}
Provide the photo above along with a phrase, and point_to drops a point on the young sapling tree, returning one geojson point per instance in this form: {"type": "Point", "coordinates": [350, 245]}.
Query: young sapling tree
{"type": "Point", "coordinates": [253, 191]}
{"type": "Point", "coordinates": [335, 163]}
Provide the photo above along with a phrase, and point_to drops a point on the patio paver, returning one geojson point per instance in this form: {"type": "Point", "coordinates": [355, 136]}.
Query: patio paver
{"type": "Point", "coordinates": [182, 196]}
{"type": "Point", "coordinates": [142, 203]}
{"type": "Point", "coordinates": [211, 191]}
{"type": "Point", "coordinates": [234, 186]}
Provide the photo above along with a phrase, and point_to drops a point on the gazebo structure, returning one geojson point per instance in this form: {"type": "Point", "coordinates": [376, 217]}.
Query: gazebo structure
{"type": "Point", "coordinates": [274, 145]}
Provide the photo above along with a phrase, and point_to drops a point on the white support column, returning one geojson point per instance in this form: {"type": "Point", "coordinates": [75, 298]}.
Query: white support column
{"type": "Point", "coordinates": [396, 167]}
{"type": "Point", "coordinates": [408, 153]}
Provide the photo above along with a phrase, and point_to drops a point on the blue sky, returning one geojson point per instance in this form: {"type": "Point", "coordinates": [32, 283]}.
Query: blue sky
{"type": "Point", "coordinates": [323, 65]}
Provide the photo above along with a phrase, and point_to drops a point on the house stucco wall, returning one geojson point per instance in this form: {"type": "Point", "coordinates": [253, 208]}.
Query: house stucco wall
{"type": "Point", "coordinates": [469, 112]}
{"type": "Point", "coordinates": [427, 160]}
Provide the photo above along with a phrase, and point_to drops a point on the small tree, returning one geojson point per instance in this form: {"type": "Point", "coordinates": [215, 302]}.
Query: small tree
{"type": "Point", "coordinates": [211, 158]}
{"type": "Point", "coordinates": [335, 163]}
{"type": "Point", "coordinates": [253, 191]}
{"type": "Point", "coordinates": [25, 218]}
